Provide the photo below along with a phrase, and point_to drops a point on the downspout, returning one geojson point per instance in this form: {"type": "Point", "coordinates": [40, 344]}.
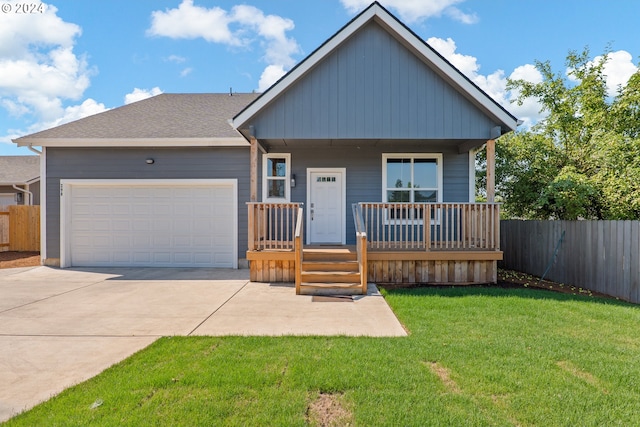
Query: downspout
{"type": "Point", "coordinates": [43, 203]}
{"type": "Point", "coordinates": [39, 153]}
{"type": "Point", "coordinates": [30, 147]}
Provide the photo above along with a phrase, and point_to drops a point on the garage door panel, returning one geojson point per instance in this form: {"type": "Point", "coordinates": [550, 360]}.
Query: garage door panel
{"type": "Point", "coordinates": [122, 257]}
{"type": "Point", "coordinates": [141, 258]}
{"type": "Point", "coordinates": [152, 225]}
{"type": "Point", "coordinates": [123, 242]}
{"type": "Point", "coordinates": [120, 208]}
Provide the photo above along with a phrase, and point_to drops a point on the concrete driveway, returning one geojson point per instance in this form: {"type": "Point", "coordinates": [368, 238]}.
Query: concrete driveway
{"type": "Point", "coordinates": [61, 327]}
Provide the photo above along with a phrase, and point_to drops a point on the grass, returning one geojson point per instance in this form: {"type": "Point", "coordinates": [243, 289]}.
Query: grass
{"type": "Point", "coordinates": [475, 356]}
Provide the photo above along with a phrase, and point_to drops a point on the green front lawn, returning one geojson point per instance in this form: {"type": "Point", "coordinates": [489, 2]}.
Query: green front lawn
{"type": "Point", "coordinates": [475, 356]}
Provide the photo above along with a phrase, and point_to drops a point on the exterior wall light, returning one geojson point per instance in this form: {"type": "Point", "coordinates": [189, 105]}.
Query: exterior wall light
{"type": "Point", "coordinates": [150, 161]}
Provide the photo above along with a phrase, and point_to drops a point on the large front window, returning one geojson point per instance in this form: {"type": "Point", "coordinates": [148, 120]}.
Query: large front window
{"type": "Point", "coordinates": [411, 178]}
{"type": "Point", "coordinates": [275, 172]}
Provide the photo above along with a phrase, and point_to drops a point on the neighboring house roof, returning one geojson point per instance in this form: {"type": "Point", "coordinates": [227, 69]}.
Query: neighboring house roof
{"type": "Point", "coordinates": [165, 119]}
{"type": "Point", "coordinates": [19, 170]}
{"type": "Point", "coordinates": [404, 35]}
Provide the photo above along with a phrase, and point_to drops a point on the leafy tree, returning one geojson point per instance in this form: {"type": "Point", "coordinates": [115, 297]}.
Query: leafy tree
{"type": "Point", "coordinates": [583, 159]}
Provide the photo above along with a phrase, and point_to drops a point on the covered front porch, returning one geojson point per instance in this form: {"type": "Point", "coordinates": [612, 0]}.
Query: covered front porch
{"type": "Point", "coordinates": [395, 243]}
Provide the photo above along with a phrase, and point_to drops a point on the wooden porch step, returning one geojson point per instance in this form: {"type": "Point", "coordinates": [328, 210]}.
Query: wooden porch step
{"type": "Point", "coordinates": [330, 276]}
{"type": "Point", "coordinates": [330, 270]}
{"type": "Point", "coordinates": [341, 253]}
{"type": "Point", "coordinates": [330, 288]}
{"type": "Point", "coordinates": [328, 265]}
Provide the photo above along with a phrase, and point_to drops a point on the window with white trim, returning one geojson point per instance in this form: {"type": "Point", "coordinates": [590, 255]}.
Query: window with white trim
{"type": "Point", "coordinates": [275, 177]}
{"type": "Point", "coordinates": [411, 178]}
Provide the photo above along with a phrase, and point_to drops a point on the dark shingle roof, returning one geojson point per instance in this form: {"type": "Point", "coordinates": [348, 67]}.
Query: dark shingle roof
{"type": "Point", "coordinates": [166, 115]}
{"type": "Point", "coordinates": [19, 169]}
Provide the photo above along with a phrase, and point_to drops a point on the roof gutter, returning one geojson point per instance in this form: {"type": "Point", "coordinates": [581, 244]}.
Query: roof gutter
{"type": "Point", "coordinates": [30, 147]}
{"type": "Point", "coordinates": [131, 142]}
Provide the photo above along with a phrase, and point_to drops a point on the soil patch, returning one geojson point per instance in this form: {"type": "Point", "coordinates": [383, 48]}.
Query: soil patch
{"type": "Point", "coordinates": [445, 376]}
{"type": "Point", "coordinates": [327, 410]}
{"type": "Point", "coordinates": [19, 259]}
{"type": "Point", "coordinates": [509, 278]}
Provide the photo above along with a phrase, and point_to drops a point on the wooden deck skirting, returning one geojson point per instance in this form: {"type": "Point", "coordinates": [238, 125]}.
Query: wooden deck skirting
{"type": "Point", "coordinates": [439, 272]}
{"type": "Point", "coordinates": [400, 267]}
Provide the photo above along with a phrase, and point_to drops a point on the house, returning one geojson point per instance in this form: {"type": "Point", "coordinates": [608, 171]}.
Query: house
{"type": "Point", "coordinates": [356, 166]}
{"type": "Point", "coordinates": [19, 180]}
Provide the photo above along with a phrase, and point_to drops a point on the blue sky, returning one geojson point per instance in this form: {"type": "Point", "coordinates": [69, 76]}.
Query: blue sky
{"type": "Point", "coordinates": [66, 59]}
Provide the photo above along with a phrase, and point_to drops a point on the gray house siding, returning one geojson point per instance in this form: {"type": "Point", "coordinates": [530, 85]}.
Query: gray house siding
{"type": "Point", "coordinates": [364, 171]}
{"type": "Point", "coordinates": [372, 86]}
{"type": "Point", "coordinates": [183, 163]}
{"type": "Point", "coordinates": [35, 190]}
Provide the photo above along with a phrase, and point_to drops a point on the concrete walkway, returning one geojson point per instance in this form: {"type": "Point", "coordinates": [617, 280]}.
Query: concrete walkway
{"type": "Point", "coordinates": [61, 327]}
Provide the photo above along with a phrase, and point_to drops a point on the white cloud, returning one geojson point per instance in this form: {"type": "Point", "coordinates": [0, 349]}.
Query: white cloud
{"type": "Point", "coordinates": [191, 22]}
{"type": "Point", "coordinates": [186, 72]}
{"type": "Point", "coordinates": [176, 58]}
{"type": "Point", "coordinates": [243, 26]}
{"type": "Point", "coordinates": [140, 94]}
{"type": "Point", "coordinates": [88, 107]}
{"type": "Point", "coordinates": [21, 33]}
{"type": "Point", "coordinates": [447, 48]}
{"type": "Point", "coordinates": [38, 66]}
{"type": "Point", "coordinates": [417, 10]}
{"type": "Point", "coordinates": [270, 75]}
{"type": "Point", "coordinates": [494, 84]}
{"type": "Point", "coordinates": [529, 111]}
{"type": "Point", "coordinates": [618, 69]}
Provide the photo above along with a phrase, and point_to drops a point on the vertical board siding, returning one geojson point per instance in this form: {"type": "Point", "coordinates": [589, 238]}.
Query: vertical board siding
{"type": "Point", "coordinates": [372, 86]}
{"type": "Point", "coordinates": [602, 256]}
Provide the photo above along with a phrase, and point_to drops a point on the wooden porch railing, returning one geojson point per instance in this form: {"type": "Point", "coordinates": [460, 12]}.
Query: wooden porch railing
{"type": "Point", "coordinates": [449, 226]}
{"type": "Point", "coordinates": [361, 246]}
{"type": "Point", "coordinates": [272, 225]}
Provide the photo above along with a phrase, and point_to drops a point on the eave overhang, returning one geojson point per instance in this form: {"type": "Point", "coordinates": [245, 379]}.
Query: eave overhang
{"type": "Point", "coordinates": [131, 142]}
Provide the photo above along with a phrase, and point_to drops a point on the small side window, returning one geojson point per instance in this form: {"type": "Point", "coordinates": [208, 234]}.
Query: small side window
{"type": "Point", "coordinates": [275, 173]}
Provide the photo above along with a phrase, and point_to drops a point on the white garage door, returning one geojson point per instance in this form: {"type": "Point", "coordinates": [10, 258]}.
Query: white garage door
{"type": "Point", "coordinates": [151, 223]}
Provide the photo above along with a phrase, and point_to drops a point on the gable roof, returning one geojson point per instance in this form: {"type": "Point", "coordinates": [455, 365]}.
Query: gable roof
{"type": "Point", "coordinates": [19, 169]}
{"type": "Point", "coordinates": [406, 37]}
{"type": "Point", "coordinates": [162, 120]}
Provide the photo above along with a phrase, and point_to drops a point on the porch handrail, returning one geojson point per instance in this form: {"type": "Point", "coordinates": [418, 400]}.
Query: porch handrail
{"type": "Point", "coordinates": [271, 225]}
{"type": "Point", "coordinates": [361, 245]}
{"type": "Point", "coordinates": [450, 226]}
{"type": "Point", "coordinates": [298, 248]}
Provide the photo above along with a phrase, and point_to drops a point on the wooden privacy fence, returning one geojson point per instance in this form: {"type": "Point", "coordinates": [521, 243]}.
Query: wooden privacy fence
{"type": "Point", "coordinates": [20, 229]}
{"type": "Point", "coordinates": [602, 256]}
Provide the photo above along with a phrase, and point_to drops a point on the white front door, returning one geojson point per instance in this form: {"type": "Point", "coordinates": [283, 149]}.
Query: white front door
{"type": "Point", "coordinates": [326, 205]}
